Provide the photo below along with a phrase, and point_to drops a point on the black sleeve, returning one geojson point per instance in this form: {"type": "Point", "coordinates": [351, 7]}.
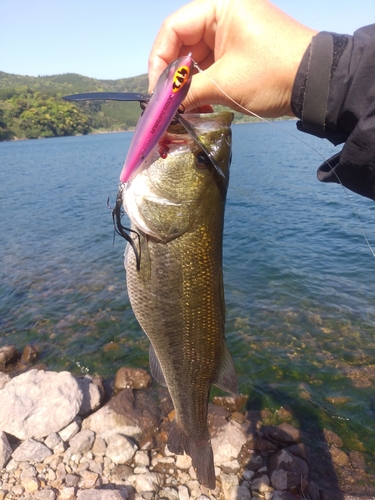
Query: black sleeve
{"type": "Point", "coordinates": [334, 97]}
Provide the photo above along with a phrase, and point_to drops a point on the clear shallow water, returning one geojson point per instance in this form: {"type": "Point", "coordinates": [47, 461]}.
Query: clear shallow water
{"type": "Point", "coordinates": [299, 277]}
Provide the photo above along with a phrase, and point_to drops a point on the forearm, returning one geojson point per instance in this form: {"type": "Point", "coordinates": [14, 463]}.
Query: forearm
{"type": "Point", "coordinates": [338, 103]}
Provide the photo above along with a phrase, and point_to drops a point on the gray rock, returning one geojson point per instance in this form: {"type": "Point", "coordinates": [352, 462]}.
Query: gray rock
{"type": "Point", "coordinates": [82, 441]}
{"type": "Point", "coordinates": [230, 486]}
{"type": "Point", "coordinates": [183, 462]}
{"type": "Point", "coordinates": [254, 461]}
{"type": "Point", "coordinates": [88, 479]}
{"type": "Point", "coordinates": [283, 479]}
{"type": "Point", "coordinates": [228, 442]}
{"type": "Point", "coordinates": [71, 479]}
{"type": "Point", "coordinates": [71, 430]}
{"type": "Point", "coordinates": [299, 450]}
{"type": "Point", "coordinates": [99, 447]}
{"type": "Point", "coordinates": [285, 460]}
{"type": "Point", "coordinates": [168, 494]}
{"type": "Point", "coordinates": [116, 417]}
{"type": "Point", "coordinates": [28, 471]}
{"type": "Point", "coordinates": [149, 481]}
{"type": "Point", "coordinates": [30, 484]}
{"type": "Point", "coordinates": [183, 492]}
{"type": "Point", "coordinates": [120, 449]}
{"type": "Point", "coordinates": [92, 396]}
{"type": "Point", "coordinates": [31, 451]}
{"type": "Point", "coordinates": [37, 403]}
{"type": "Point", "coordinates": [142, 458]}
{"type": "Point", "coordinates": [4, 379]}
{"type": "Point", "coordinates": [230, 467]}
{"type": "Point", "coordinates": [102, 494]}
{"type": "Point", "coordinates": [17, 490]}
{"type": "Point", "coordinates": [67, 493]}
{"type": "Point", "coordinates": [52, 440]}
{"type": "Point", "coordinates": [261, 484]}
{"type": "Point", "coordinates": [46, 494]}
{"type": "Point", "coordinates": [242, 493]}
{"type": "Point", "coordinates": [11, 465]}
{"type": "Point", "coordinates": [5, 450]}
{"type": "Point", "coordinates": [248, 474]}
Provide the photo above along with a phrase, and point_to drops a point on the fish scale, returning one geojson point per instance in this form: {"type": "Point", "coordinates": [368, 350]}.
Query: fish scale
{"type": "Point", "coordinates": [177, 294]}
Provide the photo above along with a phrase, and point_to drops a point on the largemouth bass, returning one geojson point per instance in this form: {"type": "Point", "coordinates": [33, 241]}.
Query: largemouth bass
{"type": "Point", "coordinates": [174, 276]}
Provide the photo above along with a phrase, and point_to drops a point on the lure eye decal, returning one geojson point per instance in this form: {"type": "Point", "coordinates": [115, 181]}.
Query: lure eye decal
{"type": "Point", "coordinates": [180, 77]}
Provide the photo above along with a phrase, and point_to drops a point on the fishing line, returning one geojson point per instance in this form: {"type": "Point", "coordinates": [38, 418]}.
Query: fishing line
{"type": "Point", "coordinates": [300, 140]}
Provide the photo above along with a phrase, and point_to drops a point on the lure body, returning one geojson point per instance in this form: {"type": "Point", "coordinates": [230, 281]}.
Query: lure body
{"type": "Point", "coordinates": [170, 91]}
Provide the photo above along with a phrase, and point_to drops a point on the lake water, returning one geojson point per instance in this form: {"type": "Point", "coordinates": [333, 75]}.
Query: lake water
{"type": "Point", "coordinates": [299, 277]}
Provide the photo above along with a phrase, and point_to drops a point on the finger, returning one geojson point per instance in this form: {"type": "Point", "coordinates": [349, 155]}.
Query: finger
{"type": "Point", "coordinates": [188, 29]}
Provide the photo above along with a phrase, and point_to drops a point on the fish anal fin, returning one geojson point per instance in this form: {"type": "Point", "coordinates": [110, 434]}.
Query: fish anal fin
{"type": "Point", "coordinates": [227, 378]}
{"type": "Point", "coordinates": [200, 451]}
{"type": "Point", "coordinates": [155, 367]}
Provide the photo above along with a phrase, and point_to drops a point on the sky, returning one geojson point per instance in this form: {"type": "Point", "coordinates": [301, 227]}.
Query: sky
{"type": "Point", "coordinates": [111, 39]}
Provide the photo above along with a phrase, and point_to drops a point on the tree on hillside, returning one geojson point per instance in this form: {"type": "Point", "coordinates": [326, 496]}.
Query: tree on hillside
{"type": "Point", "coordinates": [5, 134]}
{"type": "Point", "coordinates": [33, 114]}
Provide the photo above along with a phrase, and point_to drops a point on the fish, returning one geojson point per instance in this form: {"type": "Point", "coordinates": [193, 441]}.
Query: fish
{"type": "Point", "coordinates": [174, 278]}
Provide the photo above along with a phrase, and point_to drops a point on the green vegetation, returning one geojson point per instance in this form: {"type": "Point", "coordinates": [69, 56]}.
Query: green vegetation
{"type": "Point", "coordinates": [31, 107]}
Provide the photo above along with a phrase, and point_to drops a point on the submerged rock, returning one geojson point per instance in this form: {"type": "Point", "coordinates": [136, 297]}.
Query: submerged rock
{"type": "Point", "coordinates": [29, 354]}
{"type": "Point", "coordinates": [8, 355]}
{"type": "Point", "coordinates": [132, 378]}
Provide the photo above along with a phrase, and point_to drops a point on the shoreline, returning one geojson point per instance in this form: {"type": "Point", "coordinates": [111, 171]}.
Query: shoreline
{"type": "Point", "coordinates": [113, 445]}
{"type": "Point", "coordinates": [131, 129]}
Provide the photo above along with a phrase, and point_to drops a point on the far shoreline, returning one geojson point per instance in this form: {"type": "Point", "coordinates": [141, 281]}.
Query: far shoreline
{"type": "Point", "coordinates": [98, 131]}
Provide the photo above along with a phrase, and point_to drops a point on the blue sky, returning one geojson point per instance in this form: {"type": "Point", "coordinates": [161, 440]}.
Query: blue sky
{"type": "Point", "coordinates": [112, 39]}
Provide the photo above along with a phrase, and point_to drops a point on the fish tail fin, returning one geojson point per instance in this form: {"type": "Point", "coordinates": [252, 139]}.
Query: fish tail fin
{"type": "Point", "coordinates": [200, 451]}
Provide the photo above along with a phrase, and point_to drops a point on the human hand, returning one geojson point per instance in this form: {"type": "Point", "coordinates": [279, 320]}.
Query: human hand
{"type": "Point", "coordinates": [250, 48]}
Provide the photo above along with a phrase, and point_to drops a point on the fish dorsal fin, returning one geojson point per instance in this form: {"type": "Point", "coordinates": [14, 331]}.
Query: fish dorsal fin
{"type": "Point", "coordinates": [155, 367]}
{"type": "Point", "coordinates": [227, 379]}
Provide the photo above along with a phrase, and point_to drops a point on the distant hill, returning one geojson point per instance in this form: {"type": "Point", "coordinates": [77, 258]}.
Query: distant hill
{"type": "Point", "coordinates": [32, 107]}
{"type": "Point", "coordinates": [72, 83]}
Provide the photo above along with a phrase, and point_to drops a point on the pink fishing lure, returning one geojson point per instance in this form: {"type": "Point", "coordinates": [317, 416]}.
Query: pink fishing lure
{"type": "Point", "coordinates": [170, 91]}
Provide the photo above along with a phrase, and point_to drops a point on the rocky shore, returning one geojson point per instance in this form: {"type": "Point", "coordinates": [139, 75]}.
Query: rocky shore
{"type": "Point", "coordinates": [64, 437]}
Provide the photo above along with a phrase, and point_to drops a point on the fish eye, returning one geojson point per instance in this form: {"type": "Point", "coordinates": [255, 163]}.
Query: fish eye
{"type": "Point", "coordinates": [203, 160]}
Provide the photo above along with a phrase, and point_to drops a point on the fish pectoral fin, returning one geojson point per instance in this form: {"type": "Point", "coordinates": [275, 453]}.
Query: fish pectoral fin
{"type": "Point", "coordinates": [155, 367]}
{"type": "Point", "coordinates": [227, 379]}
